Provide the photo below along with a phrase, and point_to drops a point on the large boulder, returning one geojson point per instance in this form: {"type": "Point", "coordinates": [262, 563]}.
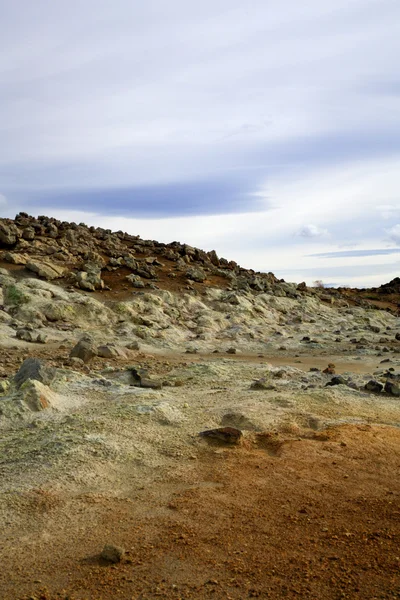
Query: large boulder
{"type": "Point", "coordinates": [196, 274]}
{"type": "Point", "coordinates": [37, 396]}
{"type": "Point", "coordinates": [84, 349]}
{"type": "Point", "coordinates": [34, 369]}
{"type": "Point", "coordinates": [15, 259]}
{"type": "Point", "coordinates": [9, 233]}
{"type": "Point", "coordinates": [111, 351]}
{"type": "Point", "coordinates": [46, 269]}
{"type": "Point", "coordinates": [392, 388]}
{"type": "Point", "coordinates": [90, 278]}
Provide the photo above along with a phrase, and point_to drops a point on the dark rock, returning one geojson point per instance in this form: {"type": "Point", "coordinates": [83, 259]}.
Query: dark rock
{"type": "Point", "coordinates": [392, 388]}
{"type": "Point", "coordinates": [373, 386]}
{"type": "Point", "coordinates": [9, 233]}
{"type": "Point", "coordinates": [84, 350]}
{"type": "Point", "coordinates": [33, 368]}
{"type": "Point", "coordinates": [141, 379]}
{"type": "Point", "coordinates": [338, 380]}
{"type": "Point", "coordinates": [227, 435]}
{"type": "Point", "coordinates": [261, 384]}
{"type": "Point", "coordinates": [231, 351]}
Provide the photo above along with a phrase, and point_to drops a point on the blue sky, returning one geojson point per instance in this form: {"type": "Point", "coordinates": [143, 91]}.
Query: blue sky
{"type": "Point", "coordinates": [268, 131]}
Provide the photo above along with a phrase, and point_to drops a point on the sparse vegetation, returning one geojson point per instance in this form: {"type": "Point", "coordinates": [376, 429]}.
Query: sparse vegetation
{"type": "Point", "coordinates": [14, 296]}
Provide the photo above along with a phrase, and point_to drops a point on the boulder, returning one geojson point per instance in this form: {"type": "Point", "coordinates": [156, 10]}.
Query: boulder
{"type": "Point", "coordinates": [84, 349]}
{"type": "Point", "coordinates": [392, 388]}
{"type": "Point", "coordinates": [28, 234]}
{"type": "Point", "coordinates": [196, 274]}
{"type": "Point", "coordinates": [29, 335]}
{"type": "Point", "coordinates": [141, 379]}
{"type": "Point", "coordinates": [37, 396]}
{"type": "Point", "coordinates": [34, 369]}
{"type": "Point", "coordinates": [9, 233]}
{"type": "Point", "coordinates": [15, 259]}
{"type": "Point", "coordinates": [112, 554]}
{"type": "Point", "coordinates": [262, 384]}
{"type": "Point", "coordinates": [226, 435]}
{"type": "Point", "coordinates": [46, 269]}
{"type": "Point", "coordinates": [373, 386]}
{"type": "Point", "coordinates": [135, 280]}
{"type": "Point", "coordinates": [90, 277]}
{"type": "Point", "coordinates": [111, 351]}
{"type": "Point", "coordinates": [338, 380]}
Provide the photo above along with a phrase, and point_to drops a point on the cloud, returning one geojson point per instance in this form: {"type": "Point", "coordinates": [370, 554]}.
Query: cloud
{"type": "Point", "coordinates": [311, 231]}
{"type": "Point", "coordinates": [356, 253]}
{"type": "Point", "coordinates": [157, 201]}
{"type": "Point", "coordinates": [394, 234]}
{"type": "Point", "coordinates": [283, 118]}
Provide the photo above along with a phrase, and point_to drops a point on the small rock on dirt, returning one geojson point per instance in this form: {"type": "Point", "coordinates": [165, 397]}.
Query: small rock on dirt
{"type": "Point", "coordinates": [228, 435]}
{"type": "Point", "coordinates": [113, 554]}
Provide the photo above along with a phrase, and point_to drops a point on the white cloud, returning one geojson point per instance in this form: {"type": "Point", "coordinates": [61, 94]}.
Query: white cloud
{"type": "Point", "coordinates": [101, 93]}
{"type": "Point", "coordinates": [394, 234]}
{"type": "Point", "coordinates": [311, 231]}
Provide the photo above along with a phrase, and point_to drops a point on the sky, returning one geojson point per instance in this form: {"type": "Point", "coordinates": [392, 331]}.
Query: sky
{"type": "Point", "coordinates": [268, 131]}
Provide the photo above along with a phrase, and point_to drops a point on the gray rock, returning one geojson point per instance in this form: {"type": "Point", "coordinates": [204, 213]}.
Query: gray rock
{"type": "Point", "coordinates": [113, 554]}
{"type": "Point", "coordinates": [392, 388]}
{"type": "Point", "coordinates": [111, 351]}
{"type": "Point", "coordinates": [15, 259]}
{"type": "Point", "coordinates": [46, 269]}
{"type": "Point", "coordinates": [262, 384]}
{"type": "Point", "coordinates": [8, 233]}
{"type": "Point", "coordinates": [373, 386]}
{"type": "Point", "coordinates": [338, 380]}
{"type": "Point", "coordinates": [36, 395]}
{"type": "Point", "coordinates": [196, 274]}
{"type": "Point", "coordinates": [35, 369]}
{"type": "Point", "coordinates": [133, 345]}
{"type": "Point", "coordinates": [84, 350]}
{"type": "Point", "coordinates": [28, 234]}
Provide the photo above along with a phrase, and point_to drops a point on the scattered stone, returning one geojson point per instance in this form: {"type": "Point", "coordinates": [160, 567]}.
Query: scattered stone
{"type": "Point", "coordinates": [133, 346]}
{"type": "Point", "coordinates": [167, 414]}
{"type": "Point", "coordinates": [36, 395]}
{"type": "Point", "coordinates": [141, 379]}
{"type": "Point", "coordinates": [111, 351]}
{"type": "Point", "coordinates": [113, 554]}
{"type": "Point", "coordinates": [196, 274]}
{"type": "Point", "coordinates": [15, 259]}
{"type": "Point", "coordinates": [392, 388]}
{"type": "Point", "coordinates": [373, 386]}
{"type": "Point", "coordinates": [28, 335]}
{"type": "Point", "coordinates": [262, 384]}
{"type": "Point", "coordinates": [84, 350]}
{"type": "Point", "coordinates": [338, 380]}
{"type": "Point", "coordinates": [35, 369]}
{"type": "Point", "coordinates": [46, 269]}
{"type": "Point", "coordinates": [228, 435]}
{"type": "Point", "coordinates": [231, 351]}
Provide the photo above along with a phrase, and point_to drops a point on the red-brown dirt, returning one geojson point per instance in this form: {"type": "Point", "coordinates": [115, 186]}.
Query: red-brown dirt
{"type": "Point", "coordinates": [315, 518]}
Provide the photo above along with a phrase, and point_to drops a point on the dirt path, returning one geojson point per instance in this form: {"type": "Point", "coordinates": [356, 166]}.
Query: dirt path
{"type": "Point", "coordinates": [314, 518]}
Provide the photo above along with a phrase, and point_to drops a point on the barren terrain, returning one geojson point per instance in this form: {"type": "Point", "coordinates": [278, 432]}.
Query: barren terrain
{"type": "Point", "coordinates": [99, 435]}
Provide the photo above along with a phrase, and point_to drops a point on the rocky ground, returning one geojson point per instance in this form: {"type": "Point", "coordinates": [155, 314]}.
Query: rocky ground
{"type": "Point", "coordinates": [116, 353]}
